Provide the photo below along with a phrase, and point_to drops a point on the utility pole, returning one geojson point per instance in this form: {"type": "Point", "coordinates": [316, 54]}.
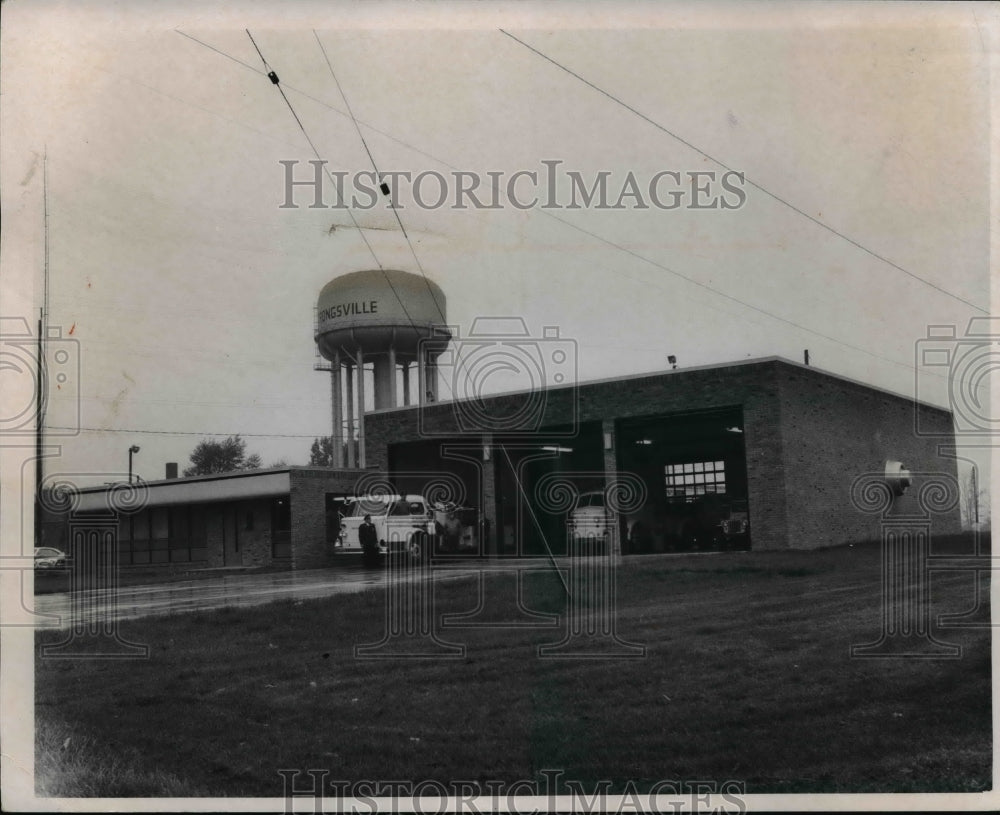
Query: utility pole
{"type": "Point", "coordinates": [40, 377]}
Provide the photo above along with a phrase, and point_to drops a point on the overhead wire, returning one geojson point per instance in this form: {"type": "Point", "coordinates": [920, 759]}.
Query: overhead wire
{"type": "Point", "coordinates": [187, 432]}
{"type": "Point", "coordinates": [371, 158]}
{"type": "Point", "coordinates": [272, 75]}
{"type": "Point", "coordinates": [275, 81]}
{"type": "Point", "coordinates": [749, 181]}
{"type": "Point", "coordinates": [594, 235]}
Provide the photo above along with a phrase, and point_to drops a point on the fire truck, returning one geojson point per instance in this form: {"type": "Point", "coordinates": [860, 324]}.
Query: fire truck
{"type": "Point", "coordinates": [408, 523]}
{"type": "Point", "coordinates": [403, 523]}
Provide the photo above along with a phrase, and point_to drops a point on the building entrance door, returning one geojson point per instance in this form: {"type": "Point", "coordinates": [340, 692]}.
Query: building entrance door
{"type": "Point", "coordinates": [231, 555]}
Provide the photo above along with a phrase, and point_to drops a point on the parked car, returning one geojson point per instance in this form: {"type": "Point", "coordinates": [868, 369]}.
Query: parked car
{"type": "Point", "coordinates": [48, 557]}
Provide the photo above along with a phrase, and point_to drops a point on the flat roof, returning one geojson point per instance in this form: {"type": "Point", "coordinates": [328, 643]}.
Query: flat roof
{"type": "Point", "coordinates": [680, 372]}
{"type": "Point", "coordinates": [199, 489]}
{"type": "Point", "coordinates": [233, 474]}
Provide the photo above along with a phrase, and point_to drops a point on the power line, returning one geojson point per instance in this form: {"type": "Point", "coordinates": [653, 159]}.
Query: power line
{"type": "Point", "coordinates": [186, 102]}
{"type": "Point", "coordinates": [608, 242]}
{"type": "Point", "coordinates": [217, 51]}
{"type": "Point", "coordinates": [749, 181]}
{"type": "Point", "coordinates": [743, 303]}
{"type": "Point", "coordinates": [190, 432]}
{"type": "Point", "coordinates": [347, 104]}
{"type": "Point", "coordinates": [385, 188]}
{"type": "Point", "coordinates": [277, 83]}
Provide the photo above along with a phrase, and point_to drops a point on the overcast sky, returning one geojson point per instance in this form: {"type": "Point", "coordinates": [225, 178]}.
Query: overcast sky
{"type": "Point", "coordinates": [191, 292]}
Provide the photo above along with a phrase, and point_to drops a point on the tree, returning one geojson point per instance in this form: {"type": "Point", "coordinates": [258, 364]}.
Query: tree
{"type": "Point", "coordinates": [321, 452]}
{"type": "Point", "coordinates": [221, 457]}
{"type": "Point", "coordinates": [976, 500]}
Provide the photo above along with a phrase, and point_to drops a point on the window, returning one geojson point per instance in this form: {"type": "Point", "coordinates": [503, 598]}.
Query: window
{"type": "Point", "coordinates": [249, 522]}
{"type": "Point", "coordinates": [590, 499]}
{"type": "Point", "coordinates": [690, 479]}
{"type": "Point", "coordinates": [160, 523]}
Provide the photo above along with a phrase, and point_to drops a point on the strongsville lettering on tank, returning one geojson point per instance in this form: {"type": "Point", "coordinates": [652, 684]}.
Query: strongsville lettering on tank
{"type": "Point", "coordinates": [347, 309]}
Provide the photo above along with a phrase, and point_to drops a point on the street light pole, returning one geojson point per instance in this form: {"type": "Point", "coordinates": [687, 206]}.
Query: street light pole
{"type": "Point", "coordinates": [131, 450]}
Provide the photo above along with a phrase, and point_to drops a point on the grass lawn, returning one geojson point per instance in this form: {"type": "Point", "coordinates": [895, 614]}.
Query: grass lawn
{"type": "Point", "coordinates": [747, 676]}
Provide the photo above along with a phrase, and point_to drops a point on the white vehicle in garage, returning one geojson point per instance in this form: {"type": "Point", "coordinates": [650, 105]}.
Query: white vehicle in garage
{"type": "Point", "coordinates": [403, 522]}
{"type": "Point", "coordinates": [590, 518]}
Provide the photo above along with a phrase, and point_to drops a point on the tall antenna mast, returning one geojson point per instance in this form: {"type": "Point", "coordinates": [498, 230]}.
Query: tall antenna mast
{"type": "Point", "coordinates": [43, 321]}
{"type": "Point", "coordinates": [45, 210]}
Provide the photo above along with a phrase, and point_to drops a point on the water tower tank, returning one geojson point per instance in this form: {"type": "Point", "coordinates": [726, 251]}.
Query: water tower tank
{"type": "Point", "coordinates": [390, 320]}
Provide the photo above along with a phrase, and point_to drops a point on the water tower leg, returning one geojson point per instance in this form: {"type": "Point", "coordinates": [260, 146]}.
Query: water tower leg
{"type": "Point", "coordinates": [430, 375]}
{"type": "Point", "coordinates": [338, 413]}
{"type": "Point", "coordinates": [361, 408]}
{"type": "Point", "coordinates": [421, 378]}
{"type": "Point", "coordinates": [392, 377]}
{"type": "Point", "coordinates": [350, 416]}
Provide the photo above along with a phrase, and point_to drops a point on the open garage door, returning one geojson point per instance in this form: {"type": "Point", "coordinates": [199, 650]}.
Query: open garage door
{"type": "Point", "coordinates": [450, 474]}
{"type": "Point", "coordinates": [694, 468]}
{"type": "Point", "coordinates": [538, 479]}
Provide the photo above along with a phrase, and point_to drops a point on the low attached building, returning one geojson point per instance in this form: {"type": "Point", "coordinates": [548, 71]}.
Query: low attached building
{"type": "Point", "coordinates": [247, 518]}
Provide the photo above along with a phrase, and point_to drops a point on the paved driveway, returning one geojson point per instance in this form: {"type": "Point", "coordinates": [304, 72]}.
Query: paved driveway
{"type": "Point", "coordinates": [202, 594]}
{"type": "Point", "coordinates": [206, 593]}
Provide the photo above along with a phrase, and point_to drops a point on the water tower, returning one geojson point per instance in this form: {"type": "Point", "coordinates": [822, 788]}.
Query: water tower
{"type": "Point", "coordinates": [386, 321]}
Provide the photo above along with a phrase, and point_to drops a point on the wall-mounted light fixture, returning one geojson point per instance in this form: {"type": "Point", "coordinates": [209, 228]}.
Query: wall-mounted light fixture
{"type": "Point", "coordinates": [897, 477]}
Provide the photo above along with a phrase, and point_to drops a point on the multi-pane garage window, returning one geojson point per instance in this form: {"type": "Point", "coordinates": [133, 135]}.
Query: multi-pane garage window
{"type": "Point", "coordinates": [693, 478]}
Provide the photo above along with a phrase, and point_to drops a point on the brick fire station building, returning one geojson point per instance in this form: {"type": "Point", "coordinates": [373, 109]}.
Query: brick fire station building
{"type": "Point", "coordinates": [787, 439]}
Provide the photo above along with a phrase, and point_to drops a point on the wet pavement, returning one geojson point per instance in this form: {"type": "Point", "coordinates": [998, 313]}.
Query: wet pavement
{"type": "Point", "coordinates": [94, 607]}
{"type": "Point", "coordinates": [204, 594]}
